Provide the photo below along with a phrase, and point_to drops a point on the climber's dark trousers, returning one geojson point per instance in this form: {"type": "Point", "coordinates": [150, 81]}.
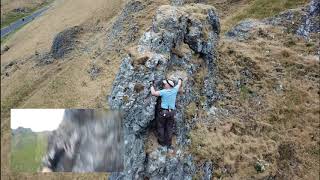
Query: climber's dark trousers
{"type": "Point", "coordinates": [165, 121]}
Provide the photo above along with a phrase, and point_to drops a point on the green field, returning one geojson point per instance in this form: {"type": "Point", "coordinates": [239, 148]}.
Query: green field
{"type": "Point", "coordinates": [12, 16]}
{"type": "Point", "coordinates": [27, 150]}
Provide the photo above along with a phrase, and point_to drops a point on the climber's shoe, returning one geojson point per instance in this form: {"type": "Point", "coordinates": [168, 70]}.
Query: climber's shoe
{"type": "Point", "coordinates": [161, 143]}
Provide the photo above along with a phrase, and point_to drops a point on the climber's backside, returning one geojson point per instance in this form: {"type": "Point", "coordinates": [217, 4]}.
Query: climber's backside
{"type": "Point", "coordinates": [165, 120]}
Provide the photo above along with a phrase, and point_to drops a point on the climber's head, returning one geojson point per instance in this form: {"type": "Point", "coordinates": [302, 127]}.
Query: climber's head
{"type": "Point", "coordinates": [168, 84]}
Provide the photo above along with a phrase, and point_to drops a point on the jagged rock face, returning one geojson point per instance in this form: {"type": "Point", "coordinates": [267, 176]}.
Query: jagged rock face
{"type": "Point", "coordinates": [86, 141]}
{"type": "Point", "coordinates": [301, 21]}
{"type": "Point", "coordinates": [242, 30]}
{"type": "Point", "coordinates": [311, 19]}
{"type": "Point", "coordinates": [181, 43]}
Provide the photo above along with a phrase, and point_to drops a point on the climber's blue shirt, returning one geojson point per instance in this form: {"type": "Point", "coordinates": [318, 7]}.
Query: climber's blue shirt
{"type": "Point", "coordinates": [168, 97]}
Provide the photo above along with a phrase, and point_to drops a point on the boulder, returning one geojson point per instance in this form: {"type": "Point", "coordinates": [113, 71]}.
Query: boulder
{"type": "Point", "coordinates": [64, 42]}
{"type": "Point", "coordinates": [311, 19]}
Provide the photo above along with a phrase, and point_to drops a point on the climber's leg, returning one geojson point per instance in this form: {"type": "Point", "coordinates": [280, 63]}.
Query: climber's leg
{"type": "Point", "coordinates": [161, 129]}
{"type": "Point", "coordinates": [169, 129]}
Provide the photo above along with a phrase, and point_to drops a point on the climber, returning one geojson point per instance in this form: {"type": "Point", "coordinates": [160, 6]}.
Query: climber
{"type": "Point", "coordinates": [51, 161]}
{"type": "Point", "coordinates": [165, 119]}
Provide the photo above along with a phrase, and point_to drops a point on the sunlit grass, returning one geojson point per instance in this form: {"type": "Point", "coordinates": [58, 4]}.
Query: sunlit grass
{"type": "Point", "coordinates": [27, 151]}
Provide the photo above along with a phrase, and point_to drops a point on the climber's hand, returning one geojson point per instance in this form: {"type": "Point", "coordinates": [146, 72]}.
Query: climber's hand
{"type": "Point", "coordinates": [153, 91]}
{"type": "Point", "coordinates": [180, 82]}
{"type": "Point", "coordinates": [152, 83]}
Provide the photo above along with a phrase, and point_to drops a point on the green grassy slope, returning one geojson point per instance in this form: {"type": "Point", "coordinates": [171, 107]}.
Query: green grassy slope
{"type": "Point", "coordinates": [12, 16]}
{"type": "Point", "coordinates": [27, 150]}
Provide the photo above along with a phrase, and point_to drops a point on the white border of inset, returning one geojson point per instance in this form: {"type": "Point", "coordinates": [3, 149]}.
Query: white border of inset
{"type": "Point", "coordinates": [36, 119]}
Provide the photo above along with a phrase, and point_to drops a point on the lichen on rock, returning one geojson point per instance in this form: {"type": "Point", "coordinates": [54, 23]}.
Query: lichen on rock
{"type": "Point", "coordinates": [167, 50]}
{"type": "Point", "coordinates": [301, 21]}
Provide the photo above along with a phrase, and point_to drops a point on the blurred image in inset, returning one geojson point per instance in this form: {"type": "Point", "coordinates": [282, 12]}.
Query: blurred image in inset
{"type": "Point", "coordinates": [66, 140]}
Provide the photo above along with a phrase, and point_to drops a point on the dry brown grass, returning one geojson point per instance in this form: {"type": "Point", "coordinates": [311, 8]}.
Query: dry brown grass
{"type": "Point", "coordinates": [274, 111]}
{"type": "Point", "coordinates": [38, 35]}
{"type": "Point", "coordinates": [138, 58]}
{"type": "Point", "coordinates": [59, 84]}
{"type": "Point", "coordinates": [63, 84]}
{"type": "Point", "coordinates": [9, 5]}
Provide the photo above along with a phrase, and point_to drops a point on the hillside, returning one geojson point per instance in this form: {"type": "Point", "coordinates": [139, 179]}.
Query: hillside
{"type": "Point", "coordinates": [30, 85]}
{"type": "Point", "coordinates": [269, 115]}
{"type": "Point", "coordinates": [265, 85]}
{"type": "Point", "coordinates": [244, 100]}
{"type": "Point", "coordinates": [12, 10]}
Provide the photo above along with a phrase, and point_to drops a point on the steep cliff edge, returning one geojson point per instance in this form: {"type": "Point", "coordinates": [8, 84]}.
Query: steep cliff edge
{"type": "Point", "coordinates": [182, 42]}
{"type": "Point", "coordinates": [229, 122]}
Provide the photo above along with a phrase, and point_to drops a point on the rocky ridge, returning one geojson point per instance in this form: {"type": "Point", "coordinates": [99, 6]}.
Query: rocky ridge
{"type": "Point", "coordinates": [181, 43]}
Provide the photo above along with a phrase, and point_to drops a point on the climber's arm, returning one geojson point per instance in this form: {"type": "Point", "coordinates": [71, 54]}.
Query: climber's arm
{"type": "Point", "coordinates": [154, 92]}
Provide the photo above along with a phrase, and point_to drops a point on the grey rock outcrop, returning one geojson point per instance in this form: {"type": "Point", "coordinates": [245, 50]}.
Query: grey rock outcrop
{"type": "Point", "coordinates": [181, 43]}
{"type": "Point", "coordinates": [207, 170]}
{"type": "Point", "coordinates": [87, 140]}
{"type": "Point", "coordinates": [64, 42]}
{"type": "Point", "coordinates": [242, 31]}
{"type": "Point", "coordinates": [301, 21]}
{"type": "Point", "coordinates": [311, 19]}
